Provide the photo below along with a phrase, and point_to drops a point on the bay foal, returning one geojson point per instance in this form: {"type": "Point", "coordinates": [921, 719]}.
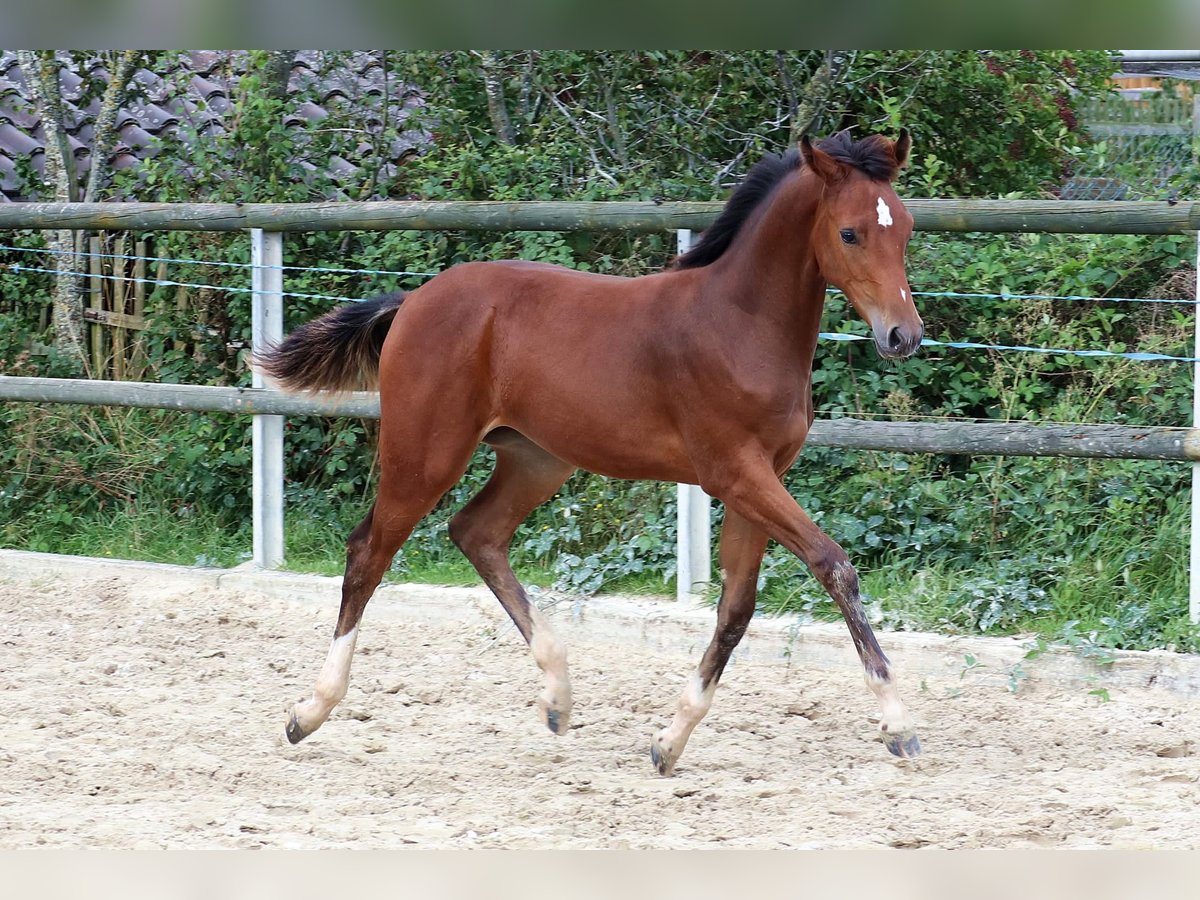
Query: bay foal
{"type": "Point", "coordinates": [698, 374]}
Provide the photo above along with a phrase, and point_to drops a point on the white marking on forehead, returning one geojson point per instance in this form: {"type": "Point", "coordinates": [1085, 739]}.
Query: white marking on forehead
{"type": "Point", "coordinates": [885, 213]}
{"type": "Point", "coordinates": [903, 294]}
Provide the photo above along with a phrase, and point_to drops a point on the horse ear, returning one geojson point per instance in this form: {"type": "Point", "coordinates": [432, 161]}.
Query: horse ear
{"type": "Point", "coordinates": [819, 161]}
{"type": "Point", "coordinates": [902, 146]}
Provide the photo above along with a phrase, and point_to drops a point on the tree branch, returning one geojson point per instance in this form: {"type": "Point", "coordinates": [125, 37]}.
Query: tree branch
{"type": "Point", "coordinates": [614, 126]}
{"type": "Point", "coordinates": [278, 70]}
{"type": "Point", "coordinates": [493, 86]}
{"type": "Point", "coordinates": [41, 70]}
{"type": "Point", "coordinates": [104, 129]}
{"type": "Point", "coordinates": [41, 75]}
{"type": "Point", "coordinates": [816, 95]}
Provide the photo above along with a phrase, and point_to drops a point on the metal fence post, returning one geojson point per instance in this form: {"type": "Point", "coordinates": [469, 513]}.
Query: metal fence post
{"type": "Point", "coordinates": [1194, 563]}
{"type": "Point", "coordinates": [266, 257]}
{"type": "Point", "coordinates": [1194, 559]}
{"type": "Point", "coordinates": [693, 563]}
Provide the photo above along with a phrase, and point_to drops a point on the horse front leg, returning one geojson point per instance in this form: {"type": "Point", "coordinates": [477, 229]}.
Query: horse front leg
{"type": "Point", "coordinates": [742, 547]}
{"type": "Point", "coordinates": [756, 493]}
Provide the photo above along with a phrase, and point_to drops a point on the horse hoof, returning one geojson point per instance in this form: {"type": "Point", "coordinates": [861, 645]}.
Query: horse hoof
{"type": "Point", "coordinates": [557, 720]}
{"type": "Point", "coordinates": [902, 746]}
{"type": "Point", "coordinates": [663, 759]}
{"type": "Point", "coordinates": [295, 734]}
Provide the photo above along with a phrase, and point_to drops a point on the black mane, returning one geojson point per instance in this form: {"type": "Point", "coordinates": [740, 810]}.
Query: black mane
{"type": "Point", "coordinates": [758, 183]}
{"type": "Point", "coordinates": [873, 156]}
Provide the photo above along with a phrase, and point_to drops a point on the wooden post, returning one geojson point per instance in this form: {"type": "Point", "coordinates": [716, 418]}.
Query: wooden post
{"type": "Point", "coordinates": [693, 560]}
{"type": "Point", "coordinates": [118, 306]}
{"type": "Point", "coordinates": [1195, 119]}
{"type": "Point", "coordinates": [160, 275]}
{"type": "Point", "coordinates": [96, 302]}
{"type": "Point", "coordinates": [137, 362]}
{"type": "Point", "coordinates": [181, 305]}
{"type": "Point", "coordinates": [266, 256]}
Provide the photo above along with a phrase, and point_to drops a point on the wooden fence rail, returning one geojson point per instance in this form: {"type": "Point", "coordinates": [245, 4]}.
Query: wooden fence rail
{"type": "Point", "coordinates": [1070, 216]}
{"type": "Point", "coordinates": [954, 438]}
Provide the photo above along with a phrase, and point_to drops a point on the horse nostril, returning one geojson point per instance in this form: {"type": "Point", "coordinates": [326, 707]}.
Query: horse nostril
{"type": "Point", "coordinates": [895, 339]}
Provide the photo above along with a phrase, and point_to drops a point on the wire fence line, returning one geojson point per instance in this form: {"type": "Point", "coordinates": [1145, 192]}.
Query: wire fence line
{"type": "Point", "coordinates": [1140, 356]}
{"type": "Point", "coordinates": [166, 282]}
{"type": "Point", "coordinates": [215, 263]}
{"type": "Point", "coordinates": [825, 335]}
{"type": "Point", "coordinates": [1018, 348]}
{"type": "Point", "coordinates": [1005, 295]}
{"type": "Point", "coordinates": [957, 295]}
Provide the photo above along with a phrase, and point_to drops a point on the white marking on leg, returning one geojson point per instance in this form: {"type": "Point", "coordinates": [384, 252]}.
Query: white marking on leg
{"type": "Point", "coordinates": [550, 653]}
{"type": "Point", "coordinates": [694, 704]}
{"type": "Point", "coordinates": [885, 213]}
{"type": "Point", "coordinates": [893, 714]}
{"type": "Point", "coordinates": [331, 684]}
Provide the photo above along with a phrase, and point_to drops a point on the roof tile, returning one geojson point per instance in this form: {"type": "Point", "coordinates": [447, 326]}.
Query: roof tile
{"type": "Point", "coordinates": [17, 142]}
{"type": "Point", "coordinates": [189, 94]}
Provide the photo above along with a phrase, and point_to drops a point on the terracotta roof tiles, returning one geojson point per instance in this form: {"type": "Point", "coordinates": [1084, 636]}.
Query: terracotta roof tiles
{"type": "Point", "coordinates": [189, 93]}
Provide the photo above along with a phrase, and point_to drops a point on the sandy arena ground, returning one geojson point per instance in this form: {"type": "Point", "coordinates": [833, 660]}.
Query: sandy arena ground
{"type": "Point", "coordinates": [136, 711]}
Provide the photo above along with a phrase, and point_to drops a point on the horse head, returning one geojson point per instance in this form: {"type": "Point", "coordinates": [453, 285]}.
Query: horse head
{"type": "Point", "coordinates": [861, 232]}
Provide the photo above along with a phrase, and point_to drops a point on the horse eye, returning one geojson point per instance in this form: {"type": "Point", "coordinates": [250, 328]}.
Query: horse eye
{"type": "Point", "coordinates": [848, 236]}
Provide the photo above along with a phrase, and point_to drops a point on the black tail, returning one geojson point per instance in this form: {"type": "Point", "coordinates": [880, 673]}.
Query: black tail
{"type": "Point", "coordinates": [338, 351]}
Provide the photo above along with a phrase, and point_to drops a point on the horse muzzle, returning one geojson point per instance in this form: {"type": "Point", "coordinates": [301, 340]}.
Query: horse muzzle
{"type": "Point", "coordinates": [899, 341]}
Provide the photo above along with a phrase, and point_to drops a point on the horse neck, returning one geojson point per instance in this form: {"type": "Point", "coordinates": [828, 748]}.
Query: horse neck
{"type": "Point", "coordinates": [770, 271]}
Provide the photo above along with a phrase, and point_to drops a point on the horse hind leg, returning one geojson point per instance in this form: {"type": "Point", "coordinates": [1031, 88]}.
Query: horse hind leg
{"type": "Point", "coordinates": [403, 500]}
{"type": "Point", "coordinates": [525, 477]}
{"type": "Point", "coordinates": [367, 557]}
{"type": "Point", "coordinates": [741, 553]}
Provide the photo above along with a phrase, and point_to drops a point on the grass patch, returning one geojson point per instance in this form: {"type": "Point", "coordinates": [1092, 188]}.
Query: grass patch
{"type": "Point", "coordinates": [1125, 586]}
{"type": "Point", "coordinates": [142, 531]}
